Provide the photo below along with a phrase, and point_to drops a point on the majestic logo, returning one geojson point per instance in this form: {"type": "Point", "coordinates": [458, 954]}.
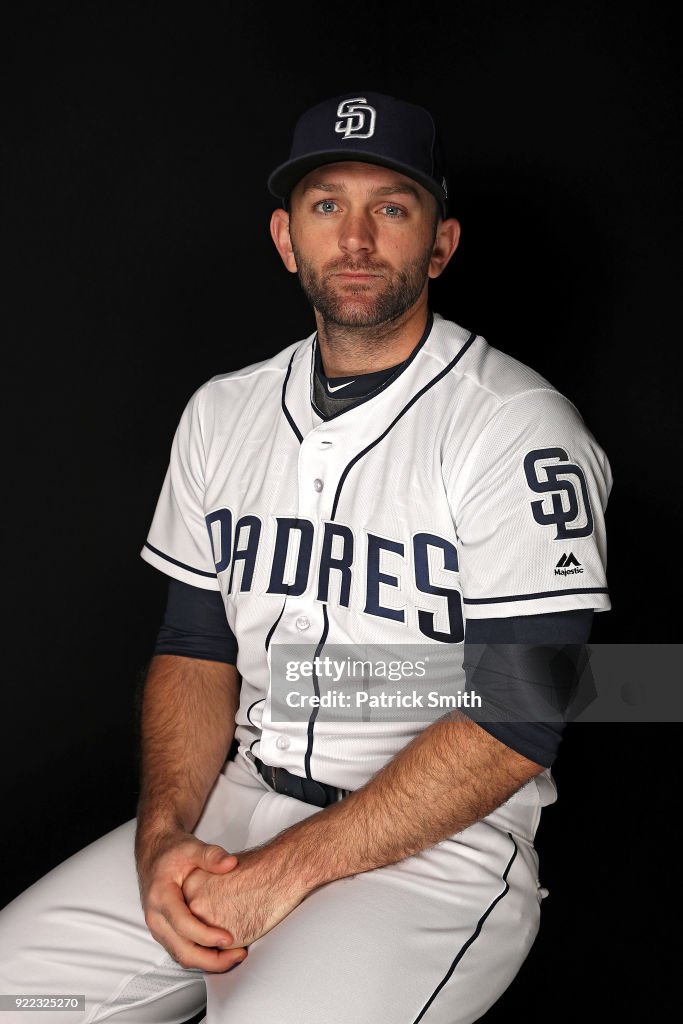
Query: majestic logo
{"type": "Point", "coordinates": [568, 565]}
{"type": "Point", "coordinates": [570, 503]}
{"type": "Point", "coordinates": [355, 115]}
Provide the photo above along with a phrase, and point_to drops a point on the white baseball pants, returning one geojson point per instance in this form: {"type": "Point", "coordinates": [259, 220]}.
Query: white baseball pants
{"type": "Point", "coordinates": [435, 938]}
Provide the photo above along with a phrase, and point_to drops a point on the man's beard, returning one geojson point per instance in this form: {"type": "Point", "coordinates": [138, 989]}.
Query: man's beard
{"type": "Point", "coordinates": [355, 308]}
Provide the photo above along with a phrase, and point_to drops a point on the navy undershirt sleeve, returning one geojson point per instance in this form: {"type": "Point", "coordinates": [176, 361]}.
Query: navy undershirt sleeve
{"type": "Point", "coordinates": [524, 646]}
{"type": "Point", "coordinates": [195, 625]}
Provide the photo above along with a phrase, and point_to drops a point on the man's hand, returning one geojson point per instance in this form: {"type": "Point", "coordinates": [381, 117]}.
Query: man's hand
{"type": "Point", "coordinates": [250, 900]}
{"type": "Point", "coordinates": [164, 864]}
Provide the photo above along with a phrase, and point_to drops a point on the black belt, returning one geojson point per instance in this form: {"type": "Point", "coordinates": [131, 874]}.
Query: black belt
{"type": "Point", "coordinates": [311, 792]}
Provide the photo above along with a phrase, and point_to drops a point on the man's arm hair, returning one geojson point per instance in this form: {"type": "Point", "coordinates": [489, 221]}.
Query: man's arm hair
{"type": "Point", "coordinates": [187, 710]}
{"type": "Point", "coordinates": [187, 726]}
{"type": "Point", "coordinates": [449, 776]}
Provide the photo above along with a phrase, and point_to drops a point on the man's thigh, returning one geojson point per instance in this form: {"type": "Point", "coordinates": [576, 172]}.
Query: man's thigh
{"type": "Point", "coordinates": [80, 930]}
{"type": "Point", "coordinates": [436, 938]}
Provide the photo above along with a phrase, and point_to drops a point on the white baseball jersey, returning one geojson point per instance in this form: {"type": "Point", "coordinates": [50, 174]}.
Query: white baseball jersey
{"type": "Point", "coordinates": [468, 487]}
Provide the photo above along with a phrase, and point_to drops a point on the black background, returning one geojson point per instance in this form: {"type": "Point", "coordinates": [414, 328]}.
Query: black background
{"type": "Point", "coordinates": [136, 141]}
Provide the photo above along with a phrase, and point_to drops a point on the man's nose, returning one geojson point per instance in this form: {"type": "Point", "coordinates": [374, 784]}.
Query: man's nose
{"type": "Point", "coordinates": [357, 233]}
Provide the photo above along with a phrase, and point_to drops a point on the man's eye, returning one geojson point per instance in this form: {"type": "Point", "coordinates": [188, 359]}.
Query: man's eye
{"type": "Point", "coordinates": [326, 206]}
{"type": "Point", "coordinates": [393, 211]}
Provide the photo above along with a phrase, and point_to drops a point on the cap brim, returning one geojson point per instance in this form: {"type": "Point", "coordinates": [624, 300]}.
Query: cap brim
{"type": "Point", "coordinates": [284, 178]}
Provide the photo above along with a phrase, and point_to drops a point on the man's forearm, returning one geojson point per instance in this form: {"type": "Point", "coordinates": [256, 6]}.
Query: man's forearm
{"type": "Point", "coordinates": [188, 722]}
{"type": "Point", "coordinates": [444, 780]}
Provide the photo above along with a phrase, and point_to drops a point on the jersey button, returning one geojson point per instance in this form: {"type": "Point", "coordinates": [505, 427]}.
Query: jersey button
{"type": "Point", "coordinates": [282, 742]}
{"type": "Point", "coordinates": [318, 484]}
{"type": "Point", "coordinates": [302, 622]}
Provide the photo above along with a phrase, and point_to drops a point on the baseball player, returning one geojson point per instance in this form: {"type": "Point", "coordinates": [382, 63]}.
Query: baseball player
{"type": "Point", "coordinates": [389, 480]}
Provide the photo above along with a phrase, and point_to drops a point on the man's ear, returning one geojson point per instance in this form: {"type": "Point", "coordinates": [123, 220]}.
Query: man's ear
{"type": "Point", "coordinates": [445, 244]}
{"type": "Point", "coordinates": [279, 231]}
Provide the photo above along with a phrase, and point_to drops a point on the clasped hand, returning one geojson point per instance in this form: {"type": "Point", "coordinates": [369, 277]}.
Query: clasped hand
{"type": "Point", "coordinates": [249, 900]}
{"type": "Point", "coordinates": [205, 905]}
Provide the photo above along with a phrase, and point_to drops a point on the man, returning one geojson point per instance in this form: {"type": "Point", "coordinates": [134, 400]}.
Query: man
{"type": "Point", "coordinates": [390, 480]}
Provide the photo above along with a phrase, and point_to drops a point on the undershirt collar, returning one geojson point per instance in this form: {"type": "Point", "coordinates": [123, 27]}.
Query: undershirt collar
{"type": "Point", "coordinates": [333, 394]}
{"type": "Point", "coordinates": [358, 385]}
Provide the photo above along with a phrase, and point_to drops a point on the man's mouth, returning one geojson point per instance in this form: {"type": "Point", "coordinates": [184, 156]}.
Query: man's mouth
{"type": "Point", "coordinates": [353, 275]}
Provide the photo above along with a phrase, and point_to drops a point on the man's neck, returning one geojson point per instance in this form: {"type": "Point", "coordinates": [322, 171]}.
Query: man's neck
{"type": "Point", "coordinates": [353, 350]}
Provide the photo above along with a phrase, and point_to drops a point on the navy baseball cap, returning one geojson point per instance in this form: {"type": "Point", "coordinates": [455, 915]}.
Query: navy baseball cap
{"type": "Point", "coordinates": [369, 127]}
